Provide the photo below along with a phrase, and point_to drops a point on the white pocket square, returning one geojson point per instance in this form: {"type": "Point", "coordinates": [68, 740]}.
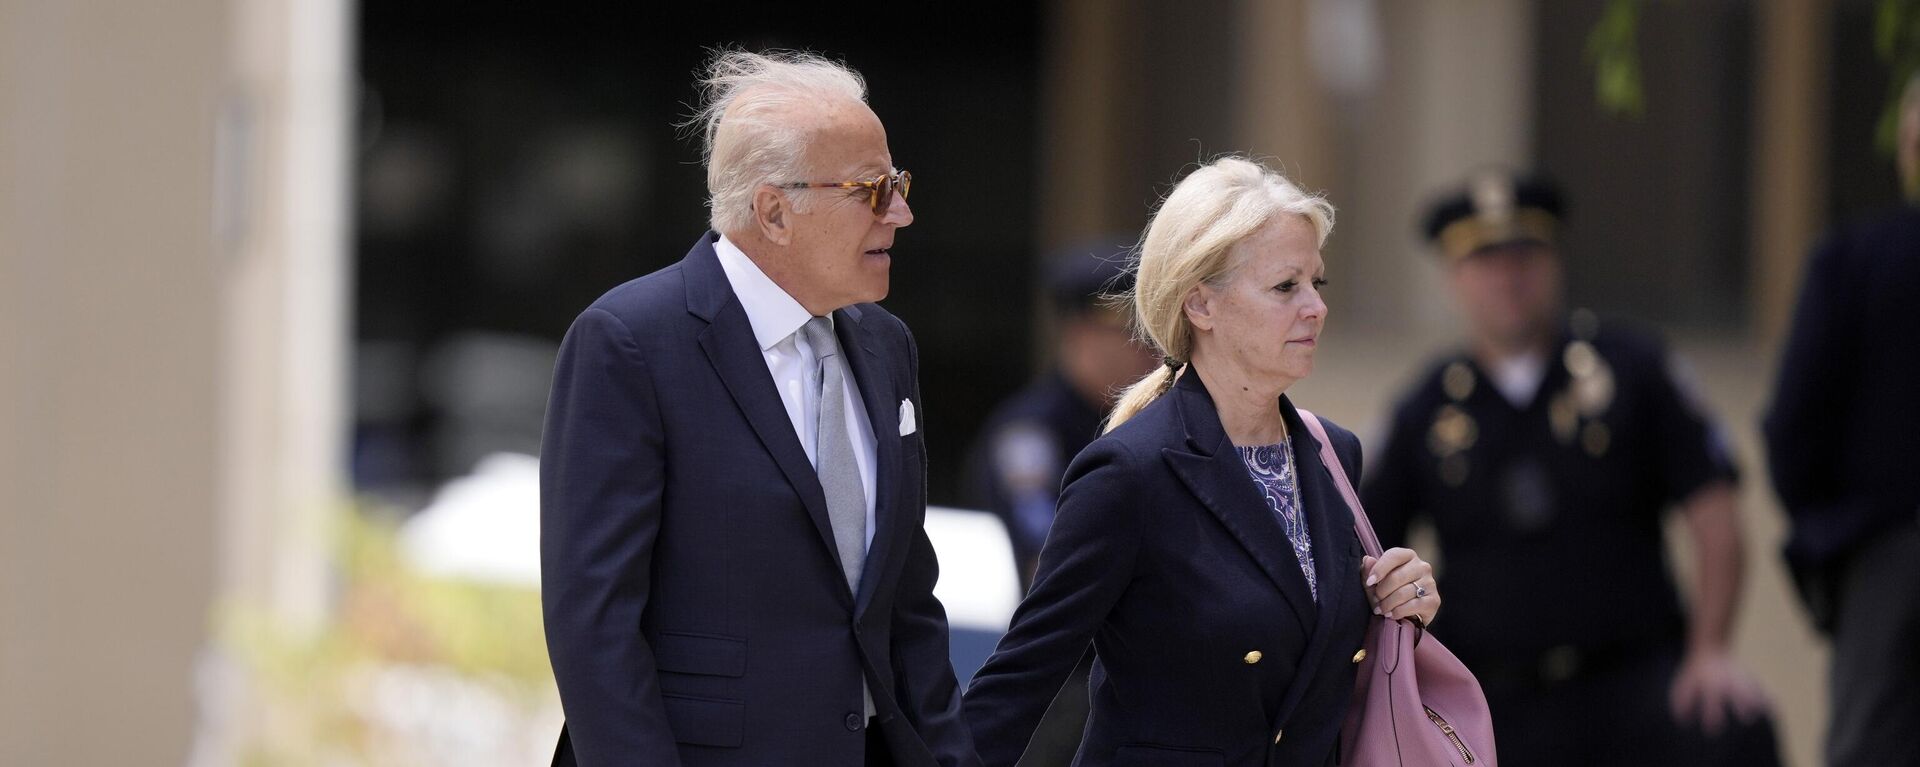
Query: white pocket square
{"type": "Point", "coordinates": [907, 424]}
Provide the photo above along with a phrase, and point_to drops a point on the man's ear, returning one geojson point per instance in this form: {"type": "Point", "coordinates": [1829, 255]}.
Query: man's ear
{"type": "Point", "coordinates": [1199, 306]}
{"type": "Point", "coordinates": [773, 214]}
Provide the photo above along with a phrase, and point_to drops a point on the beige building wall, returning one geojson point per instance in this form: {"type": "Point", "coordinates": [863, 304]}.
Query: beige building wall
{"type": "Point", "coordinates": [108, 378]}
{"type": "Point", "coordinates": [170, 304]}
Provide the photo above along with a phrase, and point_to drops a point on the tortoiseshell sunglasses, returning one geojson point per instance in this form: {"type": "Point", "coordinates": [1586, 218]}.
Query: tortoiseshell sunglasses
{"type": "Point", "coordinates": [879, 190]}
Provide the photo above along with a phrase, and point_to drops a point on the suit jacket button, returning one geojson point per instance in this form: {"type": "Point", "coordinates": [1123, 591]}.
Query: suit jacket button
{"type": "Point", "coordinates": [1252, 658]}
{"type": "Point", "coordinates": [1276, 736]}
{"type": "Point", "coordinates": [853, 723]}
{"type": "Point", "coordinates": [1360, 656]}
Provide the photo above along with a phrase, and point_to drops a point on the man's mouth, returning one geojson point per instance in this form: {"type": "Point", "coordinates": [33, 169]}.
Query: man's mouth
{"type": "Point", "coordinates": [879, 252]}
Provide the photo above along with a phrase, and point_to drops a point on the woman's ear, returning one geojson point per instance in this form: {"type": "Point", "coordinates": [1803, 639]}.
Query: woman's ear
{"type": "Point", "coordinates": [773, 214]}
{"type": "Point", "coordinates": [1199, 306]}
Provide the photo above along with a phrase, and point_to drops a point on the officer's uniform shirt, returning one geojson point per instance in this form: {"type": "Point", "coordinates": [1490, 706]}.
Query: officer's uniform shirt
{"type": "Point", "coordinates": [1548, 512]}
{"type": "Point", "coordinates": [1022, 453]}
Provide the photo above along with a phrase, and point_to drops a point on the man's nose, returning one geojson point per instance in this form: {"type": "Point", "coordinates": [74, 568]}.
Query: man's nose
{"type": "Point", "coordinates": [898, 212]}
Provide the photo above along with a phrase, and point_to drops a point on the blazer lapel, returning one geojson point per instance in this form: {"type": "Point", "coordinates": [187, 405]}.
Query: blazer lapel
{"type": "Point", "coordinates": [1214, 473]}
{"type": "Point", "coordinates": [1330, 524]}
{"type": "Point", "coordinates": [872, 375]}
{"type": "Point", "coordinates": [1329, 521]}
{"type": "Point", "coordinates": [735, 354]}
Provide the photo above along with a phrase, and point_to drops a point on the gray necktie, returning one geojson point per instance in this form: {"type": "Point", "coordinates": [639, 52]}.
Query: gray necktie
{"type": "Point", "coordinates": [833, 461]}
{"type": "Point", "coordinates": [833, 453]}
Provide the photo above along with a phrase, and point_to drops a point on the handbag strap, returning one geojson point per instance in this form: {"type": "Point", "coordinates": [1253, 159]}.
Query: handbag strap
{"type": "Point", "coordinates": [1361, 524]}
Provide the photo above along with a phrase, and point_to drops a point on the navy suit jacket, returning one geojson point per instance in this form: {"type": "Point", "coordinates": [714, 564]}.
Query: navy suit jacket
{"type": "Point", "coordinates": [696, 611]}
{"type": "Point", "coordinates": [1843, 432]}
{"type": "Point", "coordinates": [1166, 557]}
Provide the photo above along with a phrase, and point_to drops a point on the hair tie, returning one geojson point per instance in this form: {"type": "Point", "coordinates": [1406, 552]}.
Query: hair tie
{"type": "Point", "coordinates": [1173, 372]}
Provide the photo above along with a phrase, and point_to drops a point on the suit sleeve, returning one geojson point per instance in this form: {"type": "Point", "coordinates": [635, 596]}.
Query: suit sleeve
{"type": "Point", "coordinates": [1819, 359]}
{"type": "Point", "coordinates": [1391, 492]}
{"type": "Point", "coordinates": [1085, 567]}
{"type": "Point", "coordinates": [923, 669]}
{"type": "Point", "coordinates": [602, 472]}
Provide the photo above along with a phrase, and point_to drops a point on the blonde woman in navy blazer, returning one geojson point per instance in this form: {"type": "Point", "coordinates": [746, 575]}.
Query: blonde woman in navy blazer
{"type": "Point", "coordinates": [1200, 545]}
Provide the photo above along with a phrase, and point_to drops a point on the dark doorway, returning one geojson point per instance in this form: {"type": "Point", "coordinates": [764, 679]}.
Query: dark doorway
{"type": "Point", "coordinates": [516, 160]}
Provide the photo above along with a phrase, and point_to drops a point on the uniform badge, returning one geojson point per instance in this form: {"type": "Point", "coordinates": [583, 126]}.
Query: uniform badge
{"type": "Point", "coordinates": [1592, 379]}
{"type": "Point", "coordinates": [1528, 494]}
{"type": "Point", "coordinates": [1457, 381]}
{"type": "Point", "coordinates": [1453, 432]}
{"type": "Point", "coordinates": [1590, 390]}
{"type": "Point", "coordinates": [1564, 417]}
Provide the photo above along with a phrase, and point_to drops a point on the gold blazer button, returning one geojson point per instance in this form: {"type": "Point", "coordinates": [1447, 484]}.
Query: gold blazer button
{"type": "Point", "coordinates": [1252, 657]}
{"type": "Point", "coordinates": [1360, 656]}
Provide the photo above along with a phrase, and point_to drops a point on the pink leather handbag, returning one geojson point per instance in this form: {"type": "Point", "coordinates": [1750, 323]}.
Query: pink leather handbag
{"type": "Point", "coordinates": [1414, 703]}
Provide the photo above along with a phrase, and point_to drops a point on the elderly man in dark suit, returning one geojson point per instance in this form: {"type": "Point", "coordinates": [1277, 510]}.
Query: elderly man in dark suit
{"type": "Point", "coordinates": [734, 570]}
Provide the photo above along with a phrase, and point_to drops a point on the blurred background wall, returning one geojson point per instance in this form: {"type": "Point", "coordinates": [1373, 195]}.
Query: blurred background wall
{"type": "Point", "coordinates": [173, 298]}
{"type": "Point", "coordinates": [261, 258]}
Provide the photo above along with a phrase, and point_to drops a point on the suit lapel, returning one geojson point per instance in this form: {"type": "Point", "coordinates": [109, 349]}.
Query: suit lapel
{"type": "Point", "coordinates": [1214, 473]}
{"type": "Point", "coordinates": [735, 355]}
{"type": "Point", "coordinates": [872, 375]}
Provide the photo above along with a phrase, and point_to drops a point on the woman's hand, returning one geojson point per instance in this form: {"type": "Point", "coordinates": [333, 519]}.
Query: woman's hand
{"type": "Point", "coordinates": [1400, 584]}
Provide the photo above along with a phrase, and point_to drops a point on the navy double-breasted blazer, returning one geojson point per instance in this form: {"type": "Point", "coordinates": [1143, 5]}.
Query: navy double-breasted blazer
{"type": "Point", "coordinates": [1165, 556]}
{"type": "Point", "coordinates": [696, 610]}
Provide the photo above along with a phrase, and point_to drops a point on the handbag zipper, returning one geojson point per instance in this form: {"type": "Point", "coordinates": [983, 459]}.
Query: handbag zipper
{"type": "Point", "coordinates": [1451, 735]}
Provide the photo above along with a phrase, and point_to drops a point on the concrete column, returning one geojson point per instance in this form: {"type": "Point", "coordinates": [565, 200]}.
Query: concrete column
{"type": "Point", "coordinates": [1455, 94]}
{"type": "Point", "coordinates": [1079, 100]}
{"type": "Point", "coordinates": [171, 295]}
{"type": "Point", "coordinates": [1789, 140]}
{"type": "Point", "coordinates": [284, 133]}
{"type": "Point", "coordinates": [109, 385]}
{"type": "Point", "coordinates": [1281, 111]}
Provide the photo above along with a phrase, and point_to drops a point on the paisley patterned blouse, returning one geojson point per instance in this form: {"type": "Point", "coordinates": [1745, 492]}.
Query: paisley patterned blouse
{"type": "Point", "coordinates": [1272, 470]}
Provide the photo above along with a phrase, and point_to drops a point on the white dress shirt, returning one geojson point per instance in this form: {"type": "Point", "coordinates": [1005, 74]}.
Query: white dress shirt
{"type": "Point", "coordinates": [1518, 377]}
{"type": "Point", "coordinates": [776, 319]}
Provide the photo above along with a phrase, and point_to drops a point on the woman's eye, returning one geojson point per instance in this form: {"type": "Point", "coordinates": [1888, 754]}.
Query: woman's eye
{"type": "Point", "coordinates": [1319, 283]}
{"type": "Point", "coordinates": [1286, 287]}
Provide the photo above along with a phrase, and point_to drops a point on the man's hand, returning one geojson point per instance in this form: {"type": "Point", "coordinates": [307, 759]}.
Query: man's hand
{"type": "Point", "coordinates": [1708, 684]}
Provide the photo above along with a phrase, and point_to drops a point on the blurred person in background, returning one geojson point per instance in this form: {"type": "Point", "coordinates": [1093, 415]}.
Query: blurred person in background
{"type": "Point", "coordinates": [1545, 452]}
{"type": "Point", "coordinates": [1843, 445]}
{"type": "Point", "coordinates": [1201, 547]}
{"type": "Point", "coordinates": [1030, 437]}
{"type": "Point", "coordinates": [1027, 441]}
{"type": "Point", "coordinates": [734, 569]}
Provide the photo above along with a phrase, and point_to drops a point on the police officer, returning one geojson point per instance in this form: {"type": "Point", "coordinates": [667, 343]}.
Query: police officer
{"type": "Point", "coordinates": [1027, 442]}
{"type": "Point", "coordinates": [1545, 452]}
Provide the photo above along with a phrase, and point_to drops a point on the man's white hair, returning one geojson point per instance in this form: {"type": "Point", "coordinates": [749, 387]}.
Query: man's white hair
{"type": "Point", "coordinates": [764, 134]}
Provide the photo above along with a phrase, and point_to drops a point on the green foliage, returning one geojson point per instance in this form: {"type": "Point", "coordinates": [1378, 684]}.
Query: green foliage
{"type": "Point", "coordinates": [316, 695]}
{"type": "Point", "coordinates": [1896, 39]}
{"type": "Point", "coordinates": [1613, 48]}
